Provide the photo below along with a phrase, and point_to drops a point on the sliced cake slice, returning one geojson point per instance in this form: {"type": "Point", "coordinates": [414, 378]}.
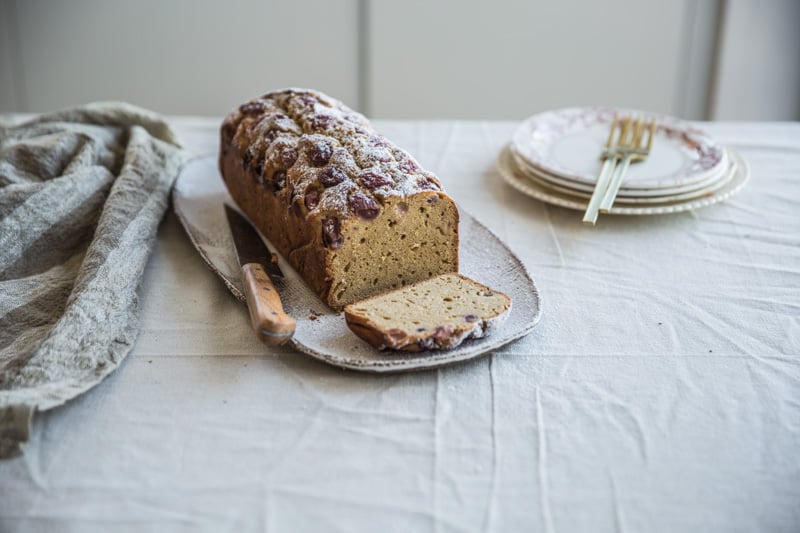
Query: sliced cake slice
{"type": "Point", "coordinates": [437, 313]}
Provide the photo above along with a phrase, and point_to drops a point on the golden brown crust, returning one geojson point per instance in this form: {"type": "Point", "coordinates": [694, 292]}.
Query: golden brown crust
{"type": "Point", "coordinates": [271, 217]}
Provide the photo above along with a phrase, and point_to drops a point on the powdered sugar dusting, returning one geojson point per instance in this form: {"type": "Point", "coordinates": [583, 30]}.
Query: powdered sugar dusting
{"type": "Point", "coordinates": [318, 132]}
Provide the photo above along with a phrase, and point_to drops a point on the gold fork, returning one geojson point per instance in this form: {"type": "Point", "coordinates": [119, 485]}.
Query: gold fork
{"type": "Point", "coordinates": [609, 156]}
{"type": "Point", "coordinates": [632, 149]}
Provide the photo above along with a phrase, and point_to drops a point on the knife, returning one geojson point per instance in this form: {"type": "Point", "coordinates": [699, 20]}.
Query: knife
{"type": "Point", "coordinates": [259, 268]}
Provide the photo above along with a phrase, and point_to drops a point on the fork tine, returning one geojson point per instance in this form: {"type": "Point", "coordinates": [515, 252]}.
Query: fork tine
{"type": "Point", "coordinates": [638, 129]}
{"type": "Point", "coordinates": [651, 132]}
{"type": "Point", "coordinates": [611, 131]}
{"type": "Point", "coordinates": [624, 133]}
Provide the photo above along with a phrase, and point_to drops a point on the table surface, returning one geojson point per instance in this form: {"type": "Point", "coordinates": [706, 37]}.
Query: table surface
{"type": "Point", "coordinates": [660, 392]}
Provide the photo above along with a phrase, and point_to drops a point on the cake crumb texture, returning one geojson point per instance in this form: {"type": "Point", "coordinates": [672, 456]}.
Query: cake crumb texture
{"type": "Point", "coordinates": [438, 313]}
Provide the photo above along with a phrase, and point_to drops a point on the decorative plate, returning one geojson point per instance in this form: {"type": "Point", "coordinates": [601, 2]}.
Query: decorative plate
{"type": "Point", "coordinates": [719, 181]}
{"type": "Point", "coordinates": [198, 199]}
{"type": "Point", "coordinates": [518, 179]}
{"type": "Point", "coordinates": [568, 143]}
{"type": "Point", "coordinates": [624, 192]}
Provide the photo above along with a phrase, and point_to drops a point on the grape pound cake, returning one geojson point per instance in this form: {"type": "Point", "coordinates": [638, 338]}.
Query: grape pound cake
{"type": "Point", "coordinates": [352, 213]}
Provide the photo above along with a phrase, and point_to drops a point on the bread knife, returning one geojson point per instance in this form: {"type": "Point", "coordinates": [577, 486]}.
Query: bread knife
{"type": "Point", "coordinates": [260, 271]}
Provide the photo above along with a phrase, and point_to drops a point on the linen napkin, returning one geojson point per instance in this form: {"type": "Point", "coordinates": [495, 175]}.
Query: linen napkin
{"type": "Point", "coordinates": [82, 192]}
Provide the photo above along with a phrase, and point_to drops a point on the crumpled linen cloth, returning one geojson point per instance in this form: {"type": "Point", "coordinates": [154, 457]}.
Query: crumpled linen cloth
{"type": "Point", "coordinates": [82, 192]}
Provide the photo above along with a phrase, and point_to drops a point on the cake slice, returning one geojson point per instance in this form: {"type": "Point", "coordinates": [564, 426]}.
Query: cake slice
{"type": "Point", "coordinates": [438, 313]}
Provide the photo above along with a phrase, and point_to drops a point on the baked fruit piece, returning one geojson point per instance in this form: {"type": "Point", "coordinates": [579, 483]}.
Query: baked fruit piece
{"type": "Point", "coordinates": [438, 313]}
{"type": "Point", "coordinates": [352, 213]}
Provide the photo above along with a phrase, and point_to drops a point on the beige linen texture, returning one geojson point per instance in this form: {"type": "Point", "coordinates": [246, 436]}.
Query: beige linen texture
{"type": "Point", "coordinates": [82, 192]}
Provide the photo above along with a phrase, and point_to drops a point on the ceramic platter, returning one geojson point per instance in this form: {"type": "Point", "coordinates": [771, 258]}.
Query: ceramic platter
{"type": "Point", "coordinates": [566, 143]}
{"type": "Point", "coordinates": [728, 183]}
{"type": "Point", "coordinates": [198, 199]}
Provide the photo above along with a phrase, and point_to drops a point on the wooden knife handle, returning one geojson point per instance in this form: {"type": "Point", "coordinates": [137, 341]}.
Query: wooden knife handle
{"type": "Point", "coordinates": [271, 324]}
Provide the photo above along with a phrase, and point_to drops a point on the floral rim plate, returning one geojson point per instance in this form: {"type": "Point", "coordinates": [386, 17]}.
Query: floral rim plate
{"type": "Point", "coordinates": [567, 142]}
{"type": "Point", "coordinates": [577, 188]}
{"type": "Point", "coordinates": [198, 199]}
{"type": "Point", "coordinates": [518, 179]}
{"type": "Point", "coordinates": [719, 181]}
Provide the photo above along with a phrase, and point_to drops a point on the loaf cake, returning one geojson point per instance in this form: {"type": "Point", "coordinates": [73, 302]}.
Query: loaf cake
{"type": "Point", "coordinates": [352, 213]}
{"type": "Point", "coordinates": [438, 313]}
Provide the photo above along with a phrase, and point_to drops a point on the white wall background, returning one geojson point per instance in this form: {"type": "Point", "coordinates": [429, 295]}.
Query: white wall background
{"type": "Point", "coordinates": [758, 70]}
{"type": "Point", "coordinates": [719, 59]}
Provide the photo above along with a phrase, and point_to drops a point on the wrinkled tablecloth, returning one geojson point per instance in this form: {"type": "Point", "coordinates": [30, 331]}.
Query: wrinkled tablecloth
{"type": "Point", "coordinates": [659, 393]}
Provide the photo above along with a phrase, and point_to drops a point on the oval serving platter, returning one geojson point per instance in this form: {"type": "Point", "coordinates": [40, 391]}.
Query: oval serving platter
{"type": "Point", "coordinates": [198, 199]}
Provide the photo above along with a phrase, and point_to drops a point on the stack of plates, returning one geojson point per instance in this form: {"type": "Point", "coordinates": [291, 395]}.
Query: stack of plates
{"type": "Point", "coordinates": [555, 157]}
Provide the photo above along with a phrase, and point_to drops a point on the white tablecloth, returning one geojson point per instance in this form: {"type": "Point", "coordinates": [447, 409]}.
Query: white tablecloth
{"type": "Point", "coordinates": [660, 392]}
